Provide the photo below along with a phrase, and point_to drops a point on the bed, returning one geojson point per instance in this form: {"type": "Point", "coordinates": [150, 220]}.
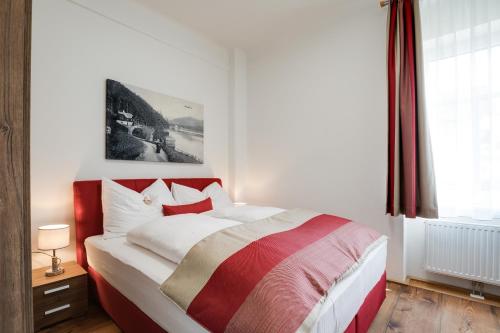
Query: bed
{"type": "Point", "coordinates": [116, 266]}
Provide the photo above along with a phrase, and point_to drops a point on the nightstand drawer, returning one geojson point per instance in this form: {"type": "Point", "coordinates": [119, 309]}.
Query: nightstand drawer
{"type": "Point", "coordinates": [60, 291]}
{"type": "Point", "coordinates": [60, 297]}
{"type": "Point", "coordinates": [60, 300]}
{"type": "Point", "coordinates": [60, 310]}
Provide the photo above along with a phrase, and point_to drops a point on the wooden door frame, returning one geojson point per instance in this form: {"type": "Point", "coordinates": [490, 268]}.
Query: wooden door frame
{"type": "Point", "coordinates": [16, 310]}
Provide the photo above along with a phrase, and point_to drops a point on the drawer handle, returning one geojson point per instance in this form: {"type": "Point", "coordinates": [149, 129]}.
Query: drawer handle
{"type": "Point", "coordinates": [54, 290]}
{"type": "Point", "coordinates": [59, 308]}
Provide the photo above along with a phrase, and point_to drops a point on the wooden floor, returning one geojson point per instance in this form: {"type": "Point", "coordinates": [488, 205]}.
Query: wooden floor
{"type": "Point", "coordinates": [410, 309]}
{"type": "Point", "coordinates": [406, 309]}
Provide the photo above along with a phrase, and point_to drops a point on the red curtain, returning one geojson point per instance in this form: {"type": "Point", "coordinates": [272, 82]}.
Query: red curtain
{"type": "Point", "coordinates": [410, 185]}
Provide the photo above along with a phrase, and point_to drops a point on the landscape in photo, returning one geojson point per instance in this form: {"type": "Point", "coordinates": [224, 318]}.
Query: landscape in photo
{"type": "Point", "coordinates": [142, 125]}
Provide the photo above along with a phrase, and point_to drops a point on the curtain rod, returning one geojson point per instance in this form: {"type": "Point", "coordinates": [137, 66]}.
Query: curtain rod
{"type": "Point", "coordinates": [384, 3]}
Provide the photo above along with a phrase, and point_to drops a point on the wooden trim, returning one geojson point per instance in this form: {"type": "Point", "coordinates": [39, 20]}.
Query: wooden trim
{"type": "Point", "coordinates": [449, 290]}
{"type": "Point", "coordinates": [463, 293]}
{"type": "Point", "coordinates": [16, 308]}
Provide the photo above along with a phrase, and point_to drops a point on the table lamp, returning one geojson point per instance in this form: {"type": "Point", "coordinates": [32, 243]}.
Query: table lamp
{"type": "Point", "coordinates": [53, 237]}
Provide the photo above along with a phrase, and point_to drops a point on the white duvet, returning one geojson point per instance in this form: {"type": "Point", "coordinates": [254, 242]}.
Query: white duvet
{"type": "Point", "coordinates": [173, 236]}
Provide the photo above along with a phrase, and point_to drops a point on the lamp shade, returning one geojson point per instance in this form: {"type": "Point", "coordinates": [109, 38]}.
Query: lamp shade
{"type": "Point", "coordinates": [53, 236]}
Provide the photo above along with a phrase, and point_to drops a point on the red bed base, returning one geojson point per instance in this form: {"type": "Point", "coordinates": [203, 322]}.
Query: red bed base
{"type": "Point", "coordinates": [130, 319]}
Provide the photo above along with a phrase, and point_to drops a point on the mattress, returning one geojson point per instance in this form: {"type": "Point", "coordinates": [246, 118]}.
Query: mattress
{"type": "Point", "coordinates": [137, 273]}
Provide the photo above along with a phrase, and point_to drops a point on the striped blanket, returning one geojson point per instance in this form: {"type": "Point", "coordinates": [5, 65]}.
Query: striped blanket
{"type": "Point", "coordinates": [271, 275]}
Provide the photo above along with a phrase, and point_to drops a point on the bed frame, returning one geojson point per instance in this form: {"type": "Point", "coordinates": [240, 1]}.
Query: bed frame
{"type": "Point", "coordinates": [130, 319]}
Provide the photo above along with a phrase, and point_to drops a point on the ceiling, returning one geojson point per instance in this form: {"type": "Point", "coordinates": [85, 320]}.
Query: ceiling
{"type": "Point", "coordinates": [240, 23]}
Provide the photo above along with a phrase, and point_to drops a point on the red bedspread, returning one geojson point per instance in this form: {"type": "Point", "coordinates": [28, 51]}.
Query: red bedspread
{"type": "Point", "coordinates": [271, 275]}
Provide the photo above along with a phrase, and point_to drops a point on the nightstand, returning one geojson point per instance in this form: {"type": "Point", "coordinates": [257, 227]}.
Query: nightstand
{"type": "Point", "coordinates": [59, 297]}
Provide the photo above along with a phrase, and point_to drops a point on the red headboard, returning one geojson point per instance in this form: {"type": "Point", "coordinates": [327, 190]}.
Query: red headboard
{"type": "Point", "coordinates": [88, 208]}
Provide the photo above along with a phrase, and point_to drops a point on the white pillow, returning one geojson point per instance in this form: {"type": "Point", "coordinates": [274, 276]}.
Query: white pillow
{"type": "Point", "coordinates": [220, 198]}
{"type": "Point", "coordinates": [159, 194]}
{"type": "Point", "coordinates": [186, 195]}
{"type": "Point", "coordinates": [124, 209]}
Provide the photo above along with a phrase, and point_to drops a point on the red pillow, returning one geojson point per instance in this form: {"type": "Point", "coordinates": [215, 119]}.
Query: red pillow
{"type": "Point", "coordinates": [196, 208]}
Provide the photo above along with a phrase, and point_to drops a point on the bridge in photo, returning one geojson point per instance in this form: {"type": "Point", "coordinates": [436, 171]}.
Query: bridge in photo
{"type": "Point", "coordinates": [130, 125]}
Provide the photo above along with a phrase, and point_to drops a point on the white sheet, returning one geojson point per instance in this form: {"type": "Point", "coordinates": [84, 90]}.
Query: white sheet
{"type": "Point", "coordinates": [173, 236]}
{"type": "Point", "coordinates": [246, 213]}
{"type": "Point", "coordinates": [138, 273]}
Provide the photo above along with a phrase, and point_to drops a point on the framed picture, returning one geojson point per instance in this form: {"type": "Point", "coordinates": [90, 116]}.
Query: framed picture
{"type": "Point", "coordinates": [143, 125]}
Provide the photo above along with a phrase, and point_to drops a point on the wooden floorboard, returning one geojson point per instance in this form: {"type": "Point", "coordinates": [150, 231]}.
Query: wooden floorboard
{"type": "Point", "coordinates": [381, 322]}
{"type": "Point", "coordinates": [456, 315]}
{"type": "Point", "coordinates": [407, 309]}
{"type": "Point", "coordinates": [417, 310]}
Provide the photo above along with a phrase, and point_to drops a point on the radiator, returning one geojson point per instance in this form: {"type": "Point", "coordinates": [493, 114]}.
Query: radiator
{"type": "Point", "coordinates": [463, 250]}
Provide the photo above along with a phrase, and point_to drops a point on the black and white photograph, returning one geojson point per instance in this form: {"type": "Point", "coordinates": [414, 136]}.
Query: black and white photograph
{"type": "Point", "coordinates": [142, 125]}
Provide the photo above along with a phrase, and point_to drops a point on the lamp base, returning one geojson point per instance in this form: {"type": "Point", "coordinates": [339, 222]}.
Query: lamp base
{"type": "Point", "coordinates": [51, 272]}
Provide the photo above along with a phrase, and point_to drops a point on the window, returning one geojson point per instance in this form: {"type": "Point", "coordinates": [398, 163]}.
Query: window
{"type": "Point", "coordinates": [461, 44]}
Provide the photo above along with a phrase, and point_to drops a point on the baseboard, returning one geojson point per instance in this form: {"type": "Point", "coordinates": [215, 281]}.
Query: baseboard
{"type": "Point", "coordinates": [405, 282]}
{"type": "Point", "coordinates": [443, 288]}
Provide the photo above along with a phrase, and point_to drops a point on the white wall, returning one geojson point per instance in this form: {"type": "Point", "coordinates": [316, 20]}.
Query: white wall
{"type": "Point", "coordinates": [76, 46]}
{"type": "Point", "coordinates": [317, 120]}
{"type": "Point", "coordinates": [238, 123]}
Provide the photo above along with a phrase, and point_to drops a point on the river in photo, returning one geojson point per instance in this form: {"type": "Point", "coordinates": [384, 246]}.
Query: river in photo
{"type": "Point", "coordinates": [190, 144]}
